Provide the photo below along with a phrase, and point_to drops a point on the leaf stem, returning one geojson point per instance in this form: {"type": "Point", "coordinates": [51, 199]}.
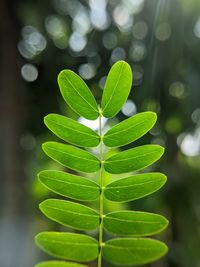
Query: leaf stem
{"type": "Point", "coordinates": [101, 195]}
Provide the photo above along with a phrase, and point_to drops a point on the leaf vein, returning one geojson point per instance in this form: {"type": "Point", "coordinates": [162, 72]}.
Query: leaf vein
{"type": "Point", "coordinates": [122, 66]}
{"type": "Point", "coordinates": [80, 94]}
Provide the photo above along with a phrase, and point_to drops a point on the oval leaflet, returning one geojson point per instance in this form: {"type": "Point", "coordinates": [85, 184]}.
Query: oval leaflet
{"type": "Point", "coordinates": [70, 214]}
{"type": "Point", "coordinates": [117, 88]}
{"type": "Point", "coordinates": [133, 159]}
{"type": "Point", "coordinates": [71, 131]}
{"type": "Point", "coordinates": [134, 187]}
{"type": "Point", "coordinates": [134, 223]}
{"type": "Point", "coordinates": [72, 157]}
{"type": "Point", "coordinates": [69, 246]}
{"type": "Point", "coordinates": [130, 129]}
{"type": "Point", "coordinates": [77, 95]}
{"type": "Point", "coordinates": [70, 185]}
{"type": "Point", "coordinates": [133, 251]}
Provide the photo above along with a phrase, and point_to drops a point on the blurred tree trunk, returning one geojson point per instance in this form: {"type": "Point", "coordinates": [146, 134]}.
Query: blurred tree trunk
{"type": "Point", "coordinates": [12, 114]}
{"type": "Point", "coordinates": [12, 117]}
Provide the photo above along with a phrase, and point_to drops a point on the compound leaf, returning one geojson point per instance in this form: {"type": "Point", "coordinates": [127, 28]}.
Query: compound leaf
{"type": "Point", "coordinates": [71, 131]}
{"type": "Point", "coordinates": [58, 264]}
{"type": "Point", "coordinates": [70, 214]}
{"type": "Point", "coordinates": [130, 129]}
{"type": "Point", "coordinates": [117, 88]}
{"type": "Point", "coordinates": [77, 95]}
{"type": "Point", "coordinates": [134, 223]}
{"type": "Point", "coordinates": [72, 157]}
{"type": "Point", "coordinates": [134, 187]}
{"type": "Point", "coordinates": [69, 246]}
{"type": "Point", "coordinates": [69, 185]}
{"type": "Point", "coordinates": [133, 251]}
{"type": "Point", "coordinates": [133, 159]}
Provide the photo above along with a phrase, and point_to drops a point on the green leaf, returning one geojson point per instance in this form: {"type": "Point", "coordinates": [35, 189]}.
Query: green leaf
{"type": "Point", "coordinates": [133, 159]}
{"type": "Point", "coordinates": [133, 251]}
{"type": "Point", "coordinates": [71, 131]}
{"type": "Point", "coordinates": [72, 157]}
{"type": "Point", "coordinates": [130, 130]}
{"type": "Point", "coordinates": [134, 223]}
{"type": "Point", "coordinates": [69, 185]}
{"type": "Point", "coordinates": [117, 88]}
{"type": "Point", "coordinates": [70, 214]}
{"type": "Point", "coordinates": [76, 247]}
{"type": "Point", "coordinates": [58, 264]}
{"type": "Point", "coordinates": [68, 246]}
{"type": "Point", "coordinates": [77, 95]}
{"type": "Point", "coordinates": [134, 187]}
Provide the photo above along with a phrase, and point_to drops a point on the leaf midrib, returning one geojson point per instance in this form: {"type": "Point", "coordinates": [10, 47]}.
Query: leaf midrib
{"type": "Point", "coordinates": [67, 243]}
{"type": "Point", "coordinates": [65, 182]}
{"type": "Point", "coordinates": [131, 221]}
{"type": "Point", "coordinates": [69, 211]}
{"type": "Point", "coordinates": [128, 128]}
{"type": "Point", "coordinates": [80, 94]}
{"type": "Point", "coordinates": [138, 184]}
{"type": "Point", "coordinates": [131, 249]}
{"type": "Point", "coordinates": [73, 129]}
{"type": "Point", "coordinates": [75, 156]}
{"type": "Point", "coordinates": [134, 157]}
{"type": "Point", "coordinates": [122, 66]}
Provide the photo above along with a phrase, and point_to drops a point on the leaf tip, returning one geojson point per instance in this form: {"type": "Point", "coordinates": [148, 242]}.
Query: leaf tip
{"type": "Point", "coordinates": [47, 144]}
{"type": "Point", "coordinates": [122, 62]}
{"type": "Point", "coordinates": [37, 238]}
{"type": "Point", "coordinates": [153, 115]}
{"type": "Point", "coordinates": [44, 146]}
{"type": "Point", "coordinates": [164, 178]}
{"type": "Point", "coordinates": [166, 249]}
{"type": "Point", "coordinates": [160, 148]}
{"type": "Point", "coordinates": [62, 73]}
{"type": "Point", "coordinates": [47, 117]}
{"type": "Point", "coordinates": [42, 204]}
{"type": "Point", "coordinates": [46, 120]}
{"type": "Point", "coordinates": [39, 176]}
{"type": "Point", "coordinates": [166, 223]}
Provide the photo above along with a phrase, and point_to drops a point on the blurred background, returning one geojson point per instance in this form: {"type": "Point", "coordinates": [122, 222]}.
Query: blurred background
{"type": "Point", "coordinates": [160, 39]}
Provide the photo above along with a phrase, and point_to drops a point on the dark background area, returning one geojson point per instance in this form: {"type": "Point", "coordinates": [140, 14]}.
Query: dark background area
{"type": "Point", "coordinates": [160, 39]}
